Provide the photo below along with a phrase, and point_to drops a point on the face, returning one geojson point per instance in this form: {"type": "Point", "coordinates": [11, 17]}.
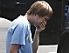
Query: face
{"type": "Point", "coordinates": [41, 21]}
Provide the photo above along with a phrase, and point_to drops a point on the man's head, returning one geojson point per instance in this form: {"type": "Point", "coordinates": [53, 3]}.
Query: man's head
{"type": "Point", "coordinates": [42, 10]}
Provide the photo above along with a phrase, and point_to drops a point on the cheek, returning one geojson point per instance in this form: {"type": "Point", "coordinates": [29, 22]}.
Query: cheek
{"type": "Point", "coordinates": [37, 23]}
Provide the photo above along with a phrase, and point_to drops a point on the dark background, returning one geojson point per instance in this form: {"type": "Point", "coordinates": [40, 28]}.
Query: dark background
{"type": "Point", "coordinates": [9, 9]}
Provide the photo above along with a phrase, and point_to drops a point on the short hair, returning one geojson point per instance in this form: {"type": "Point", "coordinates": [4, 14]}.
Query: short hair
{"type": "Point", "coordinates": [41, 8]}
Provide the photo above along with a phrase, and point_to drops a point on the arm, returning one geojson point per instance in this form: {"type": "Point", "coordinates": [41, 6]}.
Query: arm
{"type": "Point", "coordinates": [36, 36]}
{"type": "Point", "coordinates": [35, 42]}
{"type": "Point", "coordinates": [14, 48]}
{"type": "Point", "coordinates": [17, 39]}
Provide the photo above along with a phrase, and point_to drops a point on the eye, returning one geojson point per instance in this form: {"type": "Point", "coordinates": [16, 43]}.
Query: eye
{"type": "Point", "coordinates": [46, 18]}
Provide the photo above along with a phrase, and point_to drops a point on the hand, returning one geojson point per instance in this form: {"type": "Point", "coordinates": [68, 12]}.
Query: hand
{"type": "Point", "coordinates": [41, 27]}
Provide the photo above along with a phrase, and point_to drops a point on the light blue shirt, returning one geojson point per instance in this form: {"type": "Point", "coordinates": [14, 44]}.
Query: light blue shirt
{"type": "Point", "coordinates": [19, 33]}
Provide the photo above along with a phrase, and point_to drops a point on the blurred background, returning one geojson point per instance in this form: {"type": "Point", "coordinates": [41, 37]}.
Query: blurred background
{"type": "Point", "coordinates": [11, 9]}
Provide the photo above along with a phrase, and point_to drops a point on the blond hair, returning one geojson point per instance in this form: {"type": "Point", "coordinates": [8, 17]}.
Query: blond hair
{"type": "Point", "coordinates": [41, 8]}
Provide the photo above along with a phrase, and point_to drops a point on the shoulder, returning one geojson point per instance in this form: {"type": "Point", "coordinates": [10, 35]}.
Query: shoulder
{"type": "Point", "coordinates": [20, 22]}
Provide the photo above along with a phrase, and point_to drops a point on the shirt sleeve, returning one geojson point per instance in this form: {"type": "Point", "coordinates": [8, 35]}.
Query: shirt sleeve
{"type": "Point", "coordinates": [19, 34]}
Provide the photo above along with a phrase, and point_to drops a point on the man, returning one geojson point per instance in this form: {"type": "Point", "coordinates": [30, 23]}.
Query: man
{"type": "Point", "coordinates": [19, 34]}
